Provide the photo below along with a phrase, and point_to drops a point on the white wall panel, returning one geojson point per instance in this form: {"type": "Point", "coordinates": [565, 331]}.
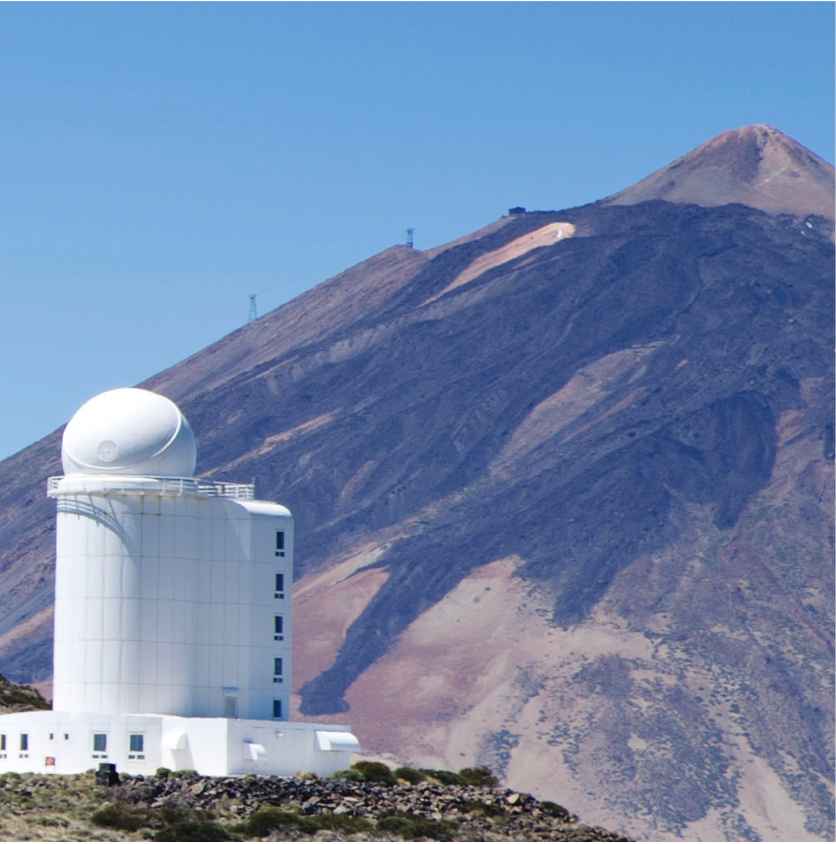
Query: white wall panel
{"type": "Point", "coordinates": [149, 577]}
{"type": "Point", "coordinates": [203, 582]}
{"type": "Point", "coordinates": [147, 698]}
{"type": "Point", "coordinates": [218, 568]}
{"type": "Point", "coordinates": [94, 577]}
{"type": "Point", "coordinates": [231, 632]}
{"type": "Point", "coordinates": [131, 581]}
{"type": "Point", "coordinates": [165, 620]}
{"type": "Point", "coordinates": [130, 698]}
{"type": "Point", "coordinates": [165, 577]}
{"type": "Point", "coordinates": [201, 665]}
{"type": "Point", "coordinates": [130, 628]}
{"type": "Point", "coordinates": [93, 662]}
{"type": "Point", "coordinates": [93, 619]}
{"type": "Point", "coordinates": [148, 626]}
{"type": "Point", "coordinates": [111, 620]}
{"type": "Point", "coordinates": [167, 535]}
{"type": "Point", "coordinates": [148, 664]}
{"type": "Point", "coordinates": [111, 697]}
{"type": "Point", "coordinates": [112, 576]}
{"type": "Point", "coordinates": [129, 664]}
{"type": "Point", "coordinates": [150, 535]}
{"type": "Point", "coordinates": [232, 580]}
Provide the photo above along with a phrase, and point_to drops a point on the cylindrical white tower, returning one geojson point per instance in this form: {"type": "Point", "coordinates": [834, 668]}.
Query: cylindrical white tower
{"type": "Point", "coordinates": [165, 587]}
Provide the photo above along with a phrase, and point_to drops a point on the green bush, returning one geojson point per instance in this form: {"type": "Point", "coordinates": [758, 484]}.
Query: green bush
{"type": "Point", "coordinates": [410, 827]}
{"type": "Point", "coordinates": [348, 774]}
{"type": "Point", "coordinates": [263, 821]}
{"type": "Point", "coordinates": [375, 772]}
{"type": "Point", "coordinates": [482, 776]}
{"type": "Point", "coordinates": [162, 772]}
{"type": "Point", "coordinates": [269, 818]}
{"type": "Point", "coordinates": [491, 810]}
{"type": "Point", "coordinates": [444, 777]}
{"type": "Point", "coordinates": [409, 774]}
{"type": "Point", "coordinates": [115, 816]}
{"type": "Point", "coordinates": [555, 810]}
{"type": "Point", "coordinates": [193, 831]}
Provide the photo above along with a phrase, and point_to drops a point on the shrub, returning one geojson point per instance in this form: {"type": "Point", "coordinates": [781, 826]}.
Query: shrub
{"type": "Point", "coordinates": [348, 774]}
{"type": "Point", "coordinates": [193, 831]}
{"type": "Point", "coordinates": [409, 774]}
{"type": "Point", "coordinates": [125, 818]}
{"type": "Point", "coordinates": [375, 772]}
{"type": "Point", "coordinates": [163, 772]}
{"type": "Point", "coordinates": [444, 777]}
{"type": "Point", "coordinates": [555, 810]}
{"type": "Point", "coordinates": [410, 827]}
{"type": "Point", "coordinates": [482, 776]}
{"type": "Point", "coordinates": [491, 810]}
{"type": "Point", "coordinates": [265, 820]}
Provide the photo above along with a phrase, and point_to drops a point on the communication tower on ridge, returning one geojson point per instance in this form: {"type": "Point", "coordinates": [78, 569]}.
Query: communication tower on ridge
{"type": "Point", "coordinates": [253, 314]}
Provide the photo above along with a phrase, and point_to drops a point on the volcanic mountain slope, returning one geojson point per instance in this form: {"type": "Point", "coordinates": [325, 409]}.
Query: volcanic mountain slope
{"type": "Point", "coordinates": [563, 492]}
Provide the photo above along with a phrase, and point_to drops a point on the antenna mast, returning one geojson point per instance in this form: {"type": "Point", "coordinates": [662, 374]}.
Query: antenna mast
{"type": "Point", "coordinates": [253, 314]}
{"type": "Point", "coordinates": [409, 238]}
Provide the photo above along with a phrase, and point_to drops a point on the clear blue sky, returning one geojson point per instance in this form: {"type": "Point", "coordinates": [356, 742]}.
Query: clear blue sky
{"type": "Point", "coordinates": [164, 160]}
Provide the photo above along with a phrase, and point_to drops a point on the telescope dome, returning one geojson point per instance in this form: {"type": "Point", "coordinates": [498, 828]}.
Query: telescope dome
{"type": "Point", "coordinates": [129, 432]}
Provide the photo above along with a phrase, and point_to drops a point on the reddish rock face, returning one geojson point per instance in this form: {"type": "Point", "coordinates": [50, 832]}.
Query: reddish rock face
{"type": "Point", "coordinates": [570, 517]}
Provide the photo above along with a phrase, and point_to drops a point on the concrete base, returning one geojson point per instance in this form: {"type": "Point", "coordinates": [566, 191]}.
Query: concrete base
{"type": "Point", "coordinates": [73, 742]}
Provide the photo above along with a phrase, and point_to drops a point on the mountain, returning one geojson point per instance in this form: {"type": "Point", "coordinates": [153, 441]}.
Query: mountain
{"type": "Point", "coordinates": [564, 498]}
{"type": "Point", "coordinates": [757, 166]}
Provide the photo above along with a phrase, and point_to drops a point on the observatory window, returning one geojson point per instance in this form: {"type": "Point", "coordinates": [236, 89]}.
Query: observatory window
{"type": "Point", "coordinates": [2, 741]}
{"type": "Point", "coordinates": [277, 709]}
{"type": "Point", "coordinates": [279, 590]}
{"type": "Point", "coordinates": [280, 543]}
{"type": "Point", "coordinates": [278, 628]}
{"type": "Point", "coordinates": [230, 705]}
{"type": "Point", "coordinates": [136, 746]}
{"type": "Point", "coordinates": [277, 670]}
{"type": "Point", "coordinates": [24, 741]}
{"type": "Point", "coordinates": [99, 745]}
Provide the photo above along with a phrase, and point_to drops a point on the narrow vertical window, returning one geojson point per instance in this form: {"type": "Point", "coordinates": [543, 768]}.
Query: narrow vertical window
{"type": "Point", "coordinates": [24, 741]}
{"type": "Point", "coordinates": [278, 627]}
{"type": "Point", "coordinates": [279, 590]}
{"type": "Point", "coordinates": [277, 669]}
{"type": "Point", "coordinates": [2, 741]}
{"type": "Point", "coordinates": [280, 543]}
{"type": "Point", "coordinates": [277, 709]}
{"type": "Point", "coordinates": [137, 743]}
{"type": "Point", "coordinates": [230, 703]}
{"type": "Point", "coordinates": [99, 742]}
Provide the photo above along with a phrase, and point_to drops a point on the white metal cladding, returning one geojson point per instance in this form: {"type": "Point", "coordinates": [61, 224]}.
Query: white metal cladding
{"type": "Point", "coordinates": [163, 600]}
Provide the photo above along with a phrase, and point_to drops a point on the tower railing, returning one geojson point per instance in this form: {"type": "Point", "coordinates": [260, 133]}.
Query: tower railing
{"type": "Point", "coordinates": [116, 484]}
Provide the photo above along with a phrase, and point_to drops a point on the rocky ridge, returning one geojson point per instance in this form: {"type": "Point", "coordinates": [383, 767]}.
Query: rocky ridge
{"type": "Point", "coordinates": [305, 807]}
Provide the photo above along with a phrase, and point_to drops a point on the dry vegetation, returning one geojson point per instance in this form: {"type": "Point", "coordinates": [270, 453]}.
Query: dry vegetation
{"type": "Point", "coordinates": [367, 802]}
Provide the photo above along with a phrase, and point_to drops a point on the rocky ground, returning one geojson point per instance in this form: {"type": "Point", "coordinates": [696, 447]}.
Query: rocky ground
{"type": "Point", "coordinates": [184, 806]}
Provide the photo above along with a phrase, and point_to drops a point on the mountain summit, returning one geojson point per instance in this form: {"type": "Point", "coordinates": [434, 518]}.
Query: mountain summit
{"type": "Point", "coordinates": [756, 166]}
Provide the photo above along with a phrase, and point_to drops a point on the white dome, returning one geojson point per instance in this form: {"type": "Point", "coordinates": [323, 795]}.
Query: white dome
{"type": "Point", "coordinates": [129, 432]}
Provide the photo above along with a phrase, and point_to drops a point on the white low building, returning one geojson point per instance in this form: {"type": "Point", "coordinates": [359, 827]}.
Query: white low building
{"type": "Point", "coordinates": [172, 612]}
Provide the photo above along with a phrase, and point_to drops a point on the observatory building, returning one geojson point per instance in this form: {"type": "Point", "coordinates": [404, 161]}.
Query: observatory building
{"type": "Point", "coordinates": [172, 612]}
